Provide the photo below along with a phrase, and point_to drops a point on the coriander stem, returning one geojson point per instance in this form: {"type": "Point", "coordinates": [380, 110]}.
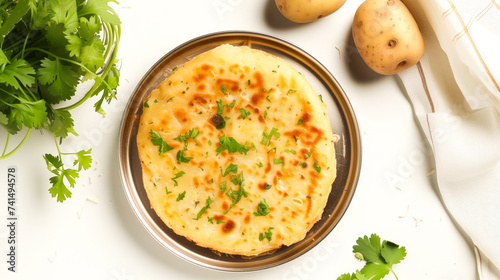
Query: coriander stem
{"type": "Point", "coordinates": [108, 68]}
{"type": "Point", "coordinates": [4, 156]}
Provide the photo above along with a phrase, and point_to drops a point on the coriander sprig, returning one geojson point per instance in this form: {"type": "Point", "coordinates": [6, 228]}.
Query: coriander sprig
{"type": "Point", "coordinates": [379, 257]}
{"type": "Point", "coordinates": [48, 48]}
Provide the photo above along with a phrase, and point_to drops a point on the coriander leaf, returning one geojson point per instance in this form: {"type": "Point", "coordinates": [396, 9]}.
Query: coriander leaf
{"type": "Point", "coordinates": [207, 206]}
{"type": "Point", "coordinates": [177, 176]}
{"type": "Point", "coordinates": [231, 105]}
{"type": "Point", "coordinates": [268, 234]}
{"type": "Point", "coordinates": [167, 191]}
{"type": "Point", "coordinates": [266, 140]}
{"type": "Point", "coordinates": [392, 253]}
{"type": "Point", "coordinates": [14, 16]}
{"type": "Point", "coordinates": [157, 140]}
{"type": "Point", "coordinates": [84, 160]}
{"type": "Point", "coordinates": [223, 89]}
{"type": "Point", "coordinates": [220, 107]}
{"type": "Point", "coordinates": [181, 157]}
{"type": "Point", "coordinates": [107, 88]}
{"type": "Point", "coordinates": [236, 195]}
{"type": "Point", "coordinates": [59, 189]}
{"type": "Point", "coordinates": [375, 271]}
{"type": "Point", "coordinates": [223, 186]}
{"type": "Point", "coordinates": [231, 145]}
{"type": "Point", "coordinates": [181, 196]}
{"type": "Point", "coordinates": [64, 12]}
{"type": "Point", "coordinates": [18, 72]}
{"type": "Point", "coordinates": [244, 113]}
{"type": "Point", "coordinates": [60, 80]}
{"type": "Point", "coordinates": [92, 54]}
{"type": "Point", "coordinates": [370, 248]}
{"type": "Point", "coordinates": [60, 122]}
{"type": "Point", "coordinates": [231, 168]}
{"type": "Point", "coordinates": [102, 9]}
{"type": "Point", "coordinates": [317, 167]}
{"type": "Point", "coordinates": [53, 162]}
{"type": "Point", "coordinates": [31, 114]}
{"type": "Point", "coordinates": [262, 208]}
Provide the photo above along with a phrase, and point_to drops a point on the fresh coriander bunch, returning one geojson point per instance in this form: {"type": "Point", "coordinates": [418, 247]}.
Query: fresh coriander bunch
{"type": "Point", "coordinates": [379, 257]}
{"type": "Point", "coordinates": [48, 48]}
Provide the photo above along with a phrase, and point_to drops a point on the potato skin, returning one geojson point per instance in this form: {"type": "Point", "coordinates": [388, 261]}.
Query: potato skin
{"type": "Point", "coordinates": [302, 11]}
{"type": "Point", "coordinates": [387, 36]}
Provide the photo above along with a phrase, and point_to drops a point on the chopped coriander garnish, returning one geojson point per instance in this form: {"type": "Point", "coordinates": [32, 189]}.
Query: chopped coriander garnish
{"type": "Point", "coordinates": [266, 140]}
{"type": "Point", "coordinates": [157, 140]}
{"type": "Point", "coordinates": [209, 142]}
{"type": "Point", "coordinates": [223, 186]}
{"type": "Point", "coordinates": [193, 133]}
{"type": "Point", "coordinates": [231, 105]}
{"type": "Point", "coordinates": [220, 221]}
{"type": "Point", "coordinates": [146, 105]}
{"type": "Point", "coordinates": [167, 191]}
{"type": "Point", "coordinates": [300, 122]}
{"type": "Point", "coordinates": [231, 145]}
{"type": "Point", "coordinates": [262, 208]}
{"type": "Point", "coordinates": [170, 99]}
{"type": "Point", "coordinates": [317, 167]}
{"type": "Point", "coordinates": [175, 68]}
{"type": "Point", "coordinates": [207, 205]}
{"type": "Point", "coordinates": [177, 176]}
{"type": "Point", "coordinates": [248, 82]}
{"type": "Point", "coordinates": [268, 186]}
{"type": "Point", "coordinates": [278, 160]}
{"type": "Point", "coordinates": [265, 114]}
{"type": "Point", "coordinates": [223, 88]}
{"type": "Point", "coordinates": [265, 90]}
{"type": "Point", "coordinates": [236, 195]}
{"type": "Point", "coordinates": [292, 91]}
{"type": "Point", "coordinates": [253, 147]}
{"type": "Point", "coordinates": [290, 151]}
{"type": "Point", "coordinates": [268, 98]}
{"type": "Point", "coordinates": [309, 154]}
{"type": "Point", "coordinates": [181, 157]}
{"type": "Point", "coordinates": [321, 97]}
{"type": "Point", "coordinates": [259, 164]}
{"type": "Point", "coordinates": [231, 168]}
{"type": "Point", "coordinates": [220, 107]}
{"type": "Point", "coordinates": [181, 196]}
{"type": "Point", "coordinates": [268, 235]}
{"type": "Point", "coordinates": [273, 149]}
{"type": "Point", "coordinates": [244, 113]}
{"type": "Point", "coordinates": [210, 220]}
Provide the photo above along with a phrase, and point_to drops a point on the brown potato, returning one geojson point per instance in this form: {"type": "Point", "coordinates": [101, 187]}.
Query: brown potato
{"type": "Point", "coordinates": [301, 11]}
{"type": "Point", "coordinates": [387, 36]}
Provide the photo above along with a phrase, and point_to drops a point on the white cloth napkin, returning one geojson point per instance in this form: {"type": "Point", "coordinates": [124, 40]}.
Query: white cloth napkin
{"type": "Point", "coordinates": [455, 93]}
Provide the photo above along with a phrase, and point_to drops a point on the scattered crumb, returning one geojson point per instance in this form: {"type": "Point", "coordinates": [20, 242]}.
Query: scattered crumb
{"type": "Point", "coordinates": [79, 213]}
{"type": "Point", "coordinates": [53, 258]}
{"type": "Point", "coordinates": [90, 180]}
{"type": "Point", "coordinates": [340, 53]}
{"type": "Point", "coordinates": [417, 221]}
{"type": "Point", "coordinates": [406, 213]}
{"type": "Point", "coordinates": [432, 171]}
{"type": "Point", "coordinates": [126, 7]}
{"type": "Point", "coordinates": [93, 199]}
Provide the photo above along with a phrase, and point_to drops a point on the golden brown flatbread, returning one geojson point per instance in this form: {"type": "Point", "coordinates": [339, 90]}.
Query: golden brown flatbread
{"type": "Point", "coordinates": [237, 151]}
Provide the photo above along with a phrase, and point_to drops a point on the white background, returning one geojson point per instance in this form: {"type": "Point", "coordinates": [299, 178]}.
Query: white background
{"type": "Point", "coordinates": [95, 235]}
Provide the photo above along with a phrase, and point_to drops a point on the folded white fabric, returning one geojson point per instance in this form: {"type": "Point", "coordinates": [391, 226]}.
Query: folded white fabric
{"type": "Point", "coordinates": [455, 92]}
